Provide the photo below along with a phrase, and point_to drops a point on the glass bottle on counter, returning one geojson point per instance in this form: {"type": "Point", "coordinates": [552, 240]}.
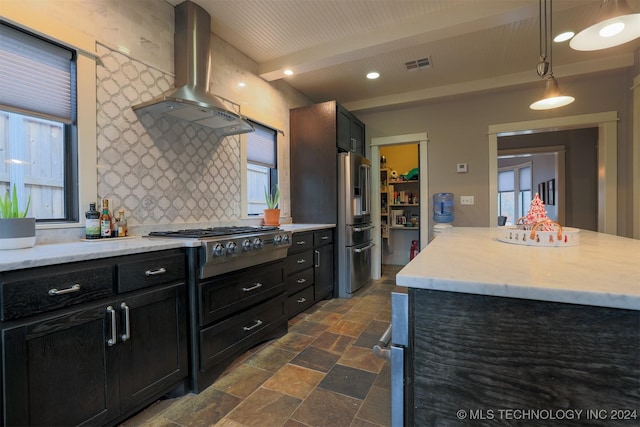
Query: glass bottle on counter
{"type": "Point", "coordinates": [92, 223]}
{"type": "Point", "coordinates": [105, 220]}
{"type": "Point", "coordinates": [122, 224]}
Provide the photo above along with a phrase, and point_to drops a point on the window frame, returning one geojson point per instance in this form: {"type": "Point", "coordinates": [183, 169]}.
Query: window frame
{"type": "Point", "coordinates": [273, 172]}
{"type": "Point", "coordinates": [517, 188]}
{"type": "Point", "coordinates": [85, 182]}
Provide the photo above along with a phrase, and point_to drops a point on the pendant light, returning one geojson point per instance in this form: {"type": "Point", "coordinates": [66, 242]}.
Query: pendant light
{"type": "Point", "coordinates": [552, 96]}
{"type": "Point", "coordinates": [616, 24]}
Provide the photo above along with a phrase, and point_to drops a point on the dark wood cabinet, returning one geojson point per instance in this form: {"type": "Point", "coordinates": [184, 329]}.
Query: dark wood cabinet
{"type": "Point", "coordinates": [324, 274]}
{"type": "Point", "coordinates": [309, 269]}
{"type": "Point", "coordinates": [100, 361]}
{"type": "Point", "coordinates": [350, 131]}
{"type": "Point", "coordinates": [318, 133]}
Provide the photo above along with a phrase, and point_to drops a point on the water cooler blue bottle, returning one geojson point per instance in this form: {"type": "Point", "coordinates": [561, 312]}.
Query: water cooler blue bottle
{"type": "Point", "coordinates": [442, 212]}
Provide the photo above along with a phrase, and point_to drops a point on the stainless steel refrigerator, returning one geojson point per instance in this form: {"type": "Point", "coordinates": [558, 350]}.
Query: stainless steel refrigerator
{"type": "Point", "coordinates": [354, 223]}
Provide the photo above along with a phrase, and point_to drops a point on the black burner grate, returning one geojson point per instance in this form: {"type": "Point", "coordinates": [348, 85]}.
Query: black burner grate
{"type": "Point", "coordinates": [201, 233]}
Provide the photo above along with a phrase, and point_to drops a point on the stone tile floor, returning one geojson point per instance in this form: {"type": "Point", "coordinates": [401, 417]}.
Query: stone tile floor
{"type": "Point", "coordinates": [321, 373]}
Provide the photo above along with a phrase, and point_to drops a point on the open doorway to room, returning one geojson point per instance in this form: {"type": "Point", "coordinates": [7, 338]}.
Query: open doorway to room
{"type": "Point", "coordinates": [413, 195]}
{"type": "Point", "coordinates": [564, 171]}
{"type": "Point", "coordinates": [604, 127]}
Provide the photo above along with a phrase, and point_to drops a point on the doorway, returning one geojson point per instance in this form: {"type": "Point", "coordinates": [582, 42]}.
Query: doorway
{"type": "Point", "coordinates": [415, 138]}
{"type": "Point", "coordinates": [606, 123]}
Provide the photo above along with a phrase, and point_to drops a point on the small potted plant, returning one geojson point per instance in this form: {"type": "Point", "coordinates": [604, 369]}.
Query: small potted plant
{"type": "Point", "coordinates": [16, 230]}
{"type": "Point", "coordinates": [272, 213]}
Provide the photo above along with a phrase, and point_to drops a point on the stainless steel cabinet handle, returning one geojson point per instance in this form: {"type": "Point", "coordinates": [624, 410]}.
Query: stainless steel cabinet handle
{"type": "Point", "coordinates": [301, 261]}
{"type": "Point", "coordinates": [253, 288]}
{"type": "Point", "coordinates": [381, 349]}
{"type": "Point", "coordinates": [301, 280]}
{"type": "Point", "coordinates": [255, 325]}
{"type": "Point", "coordinates": [301, 242]}
{"type": "Point", "coordinates": [111, 341]}
{"type": "Point", "coordinates": [360, 229]}
{"type": "Point", "coordinates": [325, 237]}
{"type": "Point", "coordinates": [358, 250]}
{"type": "Point", "coordinates": [301, 300]}
{"type": "Point", "coordinates": [74, 288]}
{"type": "Point", "coordinates": [127, 327]}
{"type": "Point", "coordinates": [317, 264]}
{"type": "Point", "coordinates": [353, 144]}
{"type": "Point", "coordinates": [161, 270]}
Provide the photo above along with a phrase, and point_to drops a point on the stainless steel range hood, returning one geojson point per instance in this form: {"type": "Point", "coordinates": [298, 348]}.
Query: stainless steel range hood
{"type": "Point", "coordinates": [190, 99]}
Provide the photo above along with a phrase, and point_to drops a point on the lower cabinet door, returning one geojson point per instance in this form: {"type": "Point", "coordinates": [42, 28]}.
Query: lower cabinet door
{"type": "Point", "coordinates": [323, 272]}
{"type": "Point", "coordinates": [152, 341]}
{"type": "Point", "coordinates": [60, 371]}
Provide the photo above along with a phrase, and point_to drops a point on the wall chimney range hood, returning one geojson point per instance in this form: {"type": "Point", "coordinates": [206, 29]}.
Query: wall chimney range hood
{"type": "Point", "coordinates": [190, 99]}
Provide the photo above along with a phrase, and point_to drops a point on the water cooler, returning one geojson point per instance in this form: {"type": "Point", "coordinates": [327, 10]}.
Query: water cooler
{"type": "Point", "coordinates": [442, 212]}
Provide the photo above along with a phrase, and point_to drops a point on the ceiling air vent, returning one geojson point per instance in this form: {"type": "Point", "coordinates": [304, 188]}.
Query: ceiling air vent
{"type": "Point", "coordinates": [418, 64]}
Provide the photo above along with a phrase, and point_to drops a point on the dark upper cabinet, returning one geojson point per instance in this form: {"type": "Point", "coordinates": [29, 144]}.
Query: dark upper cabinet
{"type": "Point", "coordinates": [350, 131]}
{"type": "Point", "coordinates": [318, 132]}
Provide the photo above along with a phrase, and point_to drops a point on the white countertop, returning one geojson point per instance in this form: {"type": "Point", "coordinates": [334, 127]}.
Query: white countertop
{"type": "Point", "coordinates": [603, 270]}
{"type": "Point", "coordinates": [60, 253]}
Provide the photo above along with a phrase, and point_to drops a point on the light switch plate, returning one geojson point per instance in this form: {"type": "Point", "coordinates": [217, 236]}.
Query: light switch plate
{"type": "Point", "coordinates": [467, 200]}
{"type": "Point", "coordinates": [461, 167]}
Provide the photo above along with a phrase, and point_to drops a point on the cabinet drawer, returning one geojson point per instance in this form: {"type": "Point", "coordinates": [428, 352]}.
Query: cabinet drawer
{"type": "Point", "coordinates": [299, 262]}
{"type": "Point", "coordinates": [301, 242]}
{"type": "Point", "coordinates": [299, 281]}
{"type": "Point", "coordinates": [49, 288]}
{"type": "Point", "coordinates": [322, 237]}
{"type": "Point", "coordinates": [145, 271]}
{"type": "Point", "coordinates": [242, 331]}
{"type": "Point", "coordinates": [299, 301]}
{"type": "Point", "coordinates": [226, 294]}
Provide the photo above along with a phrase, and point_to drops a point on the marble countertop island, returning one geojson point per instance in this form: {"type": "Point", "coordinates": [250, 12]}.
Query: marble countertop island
{"type": "Point", "coordinates": [603, 270]}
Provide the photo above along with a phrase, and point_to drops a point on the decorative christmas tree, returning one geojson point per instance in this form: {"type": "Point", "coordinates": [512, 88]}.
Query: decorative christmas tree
{"type": "Point", "coordinates": [537, 213]}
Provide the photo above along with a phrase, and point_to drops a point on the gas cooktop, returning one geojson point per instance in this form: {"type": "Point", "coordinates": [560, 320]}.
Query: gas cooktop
{"type": "Point", "coordinates": [203, 233]}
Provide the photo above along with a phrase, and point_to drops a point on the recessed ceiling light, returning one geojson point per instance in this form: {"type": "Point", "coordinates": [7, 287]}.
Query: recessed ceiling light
{"type": "Point", "coordinates": [288, 72]}
{"type": "Point", "coordinates": [563, 37]}
{"type": "Point", "coordinates": [373, 75]}
{"type": "Point", "coordinates": [242, 84]}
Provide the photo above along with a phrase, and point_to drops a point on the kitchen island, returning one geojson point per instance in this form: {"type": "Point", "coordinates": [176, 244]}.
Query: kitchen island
{"type": "Point", "coordinates": [506, 334]}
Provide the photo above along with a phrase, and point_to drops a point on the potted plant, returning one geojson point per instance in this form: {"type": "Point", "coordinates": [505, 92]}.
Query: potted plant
{"type": "Point", "coordinates": [16, 230]}
{"type": "Point", "coordinates": [272, 213]}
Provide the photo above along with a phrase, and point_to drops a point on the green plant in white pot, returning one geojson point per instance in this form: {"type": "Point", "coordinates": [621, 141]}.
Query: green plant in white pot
{"type": "Point", "coordinates": [16, 230]}
{"type": "Point", "coordinates": [272, 213]}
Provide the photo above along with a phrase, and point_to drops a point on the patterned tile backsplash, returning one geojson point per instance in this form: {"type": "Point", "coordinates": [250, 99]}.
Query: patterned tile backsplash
{"type": "Point", "coordinates": [158, 170]}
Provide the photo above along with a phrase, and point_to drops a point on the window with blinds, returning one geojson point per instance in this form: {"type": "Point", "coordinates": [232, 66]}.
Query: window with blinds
{"type": "Point", "coordinates": [37, 123]}
{"type": "Point", "coordinates": [262, 171]}
{"type": "Point", "coordinates": [514, 191]}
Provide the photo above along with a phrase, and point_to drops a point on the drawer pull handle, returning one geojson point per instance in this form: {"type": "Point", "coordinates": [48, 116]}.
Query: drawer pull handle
{"type": "Point", "coordinates": [301, 242]}
{"type": "Point", "coordinates": [301, 261]}
{"type": "Point", "coordinates": [112, 341]}
{"type": "Point", "coordinates": [74, 288]}
{"type": "Point", "coordinates": [325, 237]}
{"type": "Point", "coordinates": [253, 288]}
{"type": "Point", "coordinates": [301, 280]}
{"type": "Point", "coordinates": [127, 328]}
{"type": "Point", "coordinates": [317, 264]}
{"type": "Point", "coordinates": [255, 325]}
{"type": "Point", "coordinates": [301, 300]}
{"type": "Point", "coordinates": [157, 272]}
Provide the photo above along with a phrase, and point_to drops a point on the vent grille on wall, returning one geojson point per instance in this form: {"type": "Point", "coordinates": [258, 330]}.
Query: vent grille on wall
{"type": "Point", "coordinates": [417, 64]}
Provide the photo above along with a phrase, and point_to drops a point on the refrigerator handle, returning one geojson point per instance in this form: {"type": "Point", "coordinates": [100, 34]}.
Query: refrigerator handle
{"type": "Point", "coordinates": [366, 188]}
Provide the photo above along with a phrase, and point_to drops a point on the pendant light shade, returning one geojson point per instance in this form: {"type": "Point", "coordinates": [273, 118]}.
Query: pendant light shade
{"type": "Point", "coordinates": [552, 97]}
{"type": "Point", "coordinates": [616, 24]}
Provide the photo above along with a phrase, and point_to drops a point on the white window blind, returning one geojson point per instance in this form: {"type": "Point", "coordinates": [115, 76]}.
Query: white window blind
{"type": "Point", "coordinates": [261, 146]}
{"type": "Point", "coordinates": [35, 76]}
{"type": "Point", "coordinates": [525, 179]}
{"type": "Point", "coordinates": [506, 181]}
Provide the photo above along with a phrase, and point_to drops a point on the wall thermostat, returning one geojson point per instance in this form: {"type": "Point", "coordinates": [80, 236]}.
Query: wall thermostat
{"type": "Point", "coordinates": [461, 167]}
